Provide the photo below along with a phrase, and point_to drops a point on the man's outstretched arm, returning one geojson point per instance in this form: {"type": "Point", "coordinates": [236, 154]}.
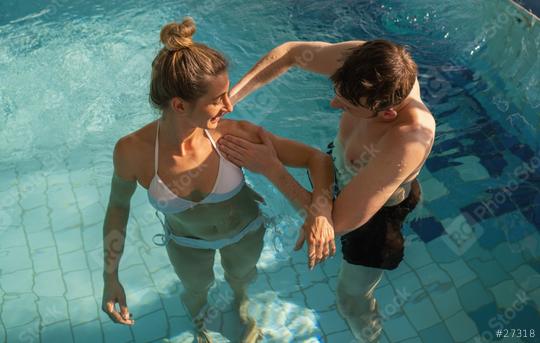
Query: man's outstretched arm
{"type": "Point", "coordinates": [318, 57]}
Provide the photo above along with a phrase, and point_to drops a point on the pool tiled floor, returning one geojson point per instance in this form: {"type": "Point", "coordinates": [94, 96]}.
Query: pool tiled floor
{"type": "Point", "coordinates": [53, 272]}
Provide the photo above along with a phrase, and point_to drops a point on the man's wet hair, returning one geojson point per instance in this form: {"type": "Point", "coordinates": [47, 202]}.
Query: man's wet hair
{"type": "Point", "coordinates": [379, 71]}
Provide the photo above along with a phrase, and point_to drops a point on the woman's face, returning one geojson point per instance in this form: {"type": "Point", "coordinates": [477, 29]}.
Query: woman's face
{"type": "Point", "coordinates": [208, 109]}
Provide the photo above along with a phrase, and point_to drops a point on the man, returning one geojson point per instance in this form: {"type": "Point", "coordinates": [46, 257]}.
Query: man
{"type": "Point", "coordinates": [385, 136]}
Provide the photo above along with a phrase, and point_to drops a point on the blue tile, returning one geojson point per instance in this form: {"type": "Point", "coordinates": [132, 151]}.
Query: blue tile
{"type": "Point", "coordinates": [116, 333]}
{"type": "Point", "coordinates": [497, 201]}
{"type": "Point", "coordinates": [475, 212]}
{"type": "Point", "coordinates": [515, 226]}
{"type": "Point", "coordinates": [443, 207]}
{"type": "Point", "coordinates": [443, 146]}
{"type": "Point", "coordinates": [473, 296]}
{"type": "Point", "coordinates": [88, 332]}
{"type": "Point", "coordinates": [344, 336]}
{"type": "Point", "coordinates": [483, 315]}
{"type": "Point", "coordinates": [422, 313]}
{"type": "Point", "coordinates": [427, 228]}
{"type": "Point", "coordinates": [58, 332]}
{"type": "Point", "coordinates": [449, 177]}
{"type": "Point", "coordinates": [319, 297]}
{"type": "Point", "coordinates": [532, 214]}
{"type": "Point", "coordinates": [151, 327]}
{"type": "Point", "coordinates": [492, 235]}
{"type": "Point", "coordinates": [330, 322]}
{"type": "Point", "coordinates": [529, 318]}
{"type": "Point", "coordinates": [436, 163]}
{"type": "Point", "coordinates": [441, 252]}
{"type": "Point", "coordinates": [461, 327]}
{"type": "Point", "coordinates": [524, 195]}
{"type": "Point", "coordinates": [506, 140]}
{"type": "Point", "coordinates": [508, 257]}
{"type": "Point", "coordinates": [523, 151]}
{"type": "Point", "coordinates": [399, 328]}
{"type": "Point", "coordinates": [86, 309]}
{"type": "Point", "coordinates": [25, 333]}
{"type": "Point", "coordinates": [494, 164]}
{"type": "Point", "coordinates": [446, 301]}
{"type": "Point", "coordinates": [489, 272]}
{"type": "Point", "coordinates": [437, 333]}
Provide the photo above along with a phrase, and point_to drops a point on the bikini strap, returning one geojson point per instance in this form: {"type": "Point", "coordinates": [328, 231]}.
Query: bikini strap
{"type": "Point", "coordinates": [156, 150]}
{"type": "Point", "coordinates": [213, 143]}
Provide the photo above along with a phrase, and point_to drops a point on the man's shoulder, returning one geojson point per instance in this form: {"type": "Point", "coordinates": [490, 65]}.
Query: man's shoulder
{"type": "Point", "coordinates": [418, 125]}
{"type": "Point", "coordinates": [419, 117]}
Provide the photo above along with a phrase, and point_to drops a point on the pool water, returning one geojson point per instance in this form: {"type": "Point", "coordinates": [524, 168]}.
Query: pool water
{"type": "Point", "coordinates": [75, 78]}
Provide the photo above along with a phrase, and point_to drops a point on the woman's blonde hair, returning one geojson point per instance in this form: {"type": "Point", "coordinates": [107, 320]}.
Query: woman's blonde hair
{"type": "Point", "coordinates": [182, 66]}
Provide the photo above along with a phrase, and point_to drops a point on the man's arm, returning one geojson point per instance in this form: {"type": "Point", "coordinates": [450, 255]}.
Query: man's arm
{"type": "Point", "coordinates": [398, 154]}
{"type": "Point", "coordinates": [318, 57]}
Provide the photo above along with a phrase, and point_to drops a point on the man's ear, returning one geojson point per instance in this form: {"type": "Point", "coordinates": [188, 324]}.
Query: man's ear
{"type": "Point", "coordinates": [178, 104]}
{"type": "Point", "coordinates": [390, 113]}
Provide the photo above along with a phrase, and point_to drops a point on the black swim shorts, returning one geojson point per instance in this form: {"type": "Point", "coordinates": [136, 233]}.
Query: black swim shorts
{"type": "Point", "coordinates": [379, 243]}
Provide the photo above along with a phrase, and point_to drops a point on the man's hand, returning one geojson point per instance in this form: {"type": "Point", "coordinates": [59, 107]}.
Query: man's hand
{"type": "Point", "coordinates": [113, 293]}
{"type": "Point", "coordinates": [319, 233]}
{"type": "Point", "coordinates": [259, 158]}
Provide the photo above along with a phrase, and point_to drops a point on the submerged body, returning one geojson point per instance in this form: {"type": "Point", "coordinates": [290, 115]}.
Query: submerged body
{"type": "Point", "coordinates": [206, 203]}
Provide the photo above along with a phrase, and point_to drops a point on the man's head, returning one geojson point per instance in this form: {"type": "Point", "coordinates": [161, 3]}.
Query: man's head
{"type": "Point", "coordinates": [376, 76]}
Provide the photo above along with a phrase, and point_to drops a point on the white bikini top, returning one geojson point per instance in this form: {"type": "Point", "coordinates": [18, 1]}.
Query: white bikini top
{"type": "Point", "coordinates": [229, 181]}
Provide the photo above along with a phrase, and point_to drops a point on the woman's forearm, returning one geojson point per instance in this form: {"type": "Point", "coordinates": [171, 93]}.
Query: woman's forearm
{"type": "Point", "coordinates": [114, 226]}
{"type": "Point", "coordinates": [114, 233]}
{"type": "Point", "coordinates": [273, 64]}
{"type": "Point", "coordinates": [318, 202]}
{"type": "Point", "coordinates": [287, 184]}
{"type": "Point", "coordinates": [321, 171]}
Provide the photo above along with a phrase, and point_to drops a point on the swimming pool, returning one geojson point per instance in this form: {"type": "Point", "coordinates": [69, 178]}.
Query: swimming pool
{"type": "Point", "coordinates": [75, 78]}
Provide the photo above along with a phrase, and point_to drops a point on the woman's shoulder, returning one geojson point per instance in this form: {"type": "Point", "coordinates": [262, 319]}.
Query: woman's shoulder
{"type": "Point", "coordinates": [130, 148]}
{"type": "Point", "coordinates": [240, 128]}
{"type": "Point", "coordinates": [135, 140]}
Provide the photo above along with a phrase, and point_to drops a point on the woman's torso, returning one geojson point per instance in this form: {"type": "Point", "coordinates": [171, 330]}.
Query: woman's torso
{"type": "Point", "coordinates": [192, 178]}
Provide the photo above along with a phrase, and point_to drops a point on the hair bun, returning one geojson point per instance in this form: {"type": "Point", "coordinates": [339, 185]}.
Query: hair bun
{"type": "Point", "coordinates": [177, 36]}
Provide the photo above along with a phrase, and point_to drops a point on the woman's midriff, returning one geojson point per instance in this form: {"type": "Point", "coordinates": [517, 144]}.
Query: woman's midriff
{"type": "Point", "coordinates": [217, 220]}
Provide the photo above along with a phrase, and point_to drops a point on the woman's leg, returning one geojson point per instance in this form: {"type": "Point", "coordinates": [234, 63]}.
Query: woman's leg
{"type": "Point", "coordinates": [194, 267]}
{"type": "Point", "coordinates": [356, 302]}
{"type": "Point", "coordinates": [239, 262]}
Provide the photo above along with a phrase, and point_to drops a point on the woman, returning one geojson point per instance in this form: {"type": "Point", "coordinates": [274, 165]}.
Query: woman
{"type": "Point", "coordinates": [203, 197]}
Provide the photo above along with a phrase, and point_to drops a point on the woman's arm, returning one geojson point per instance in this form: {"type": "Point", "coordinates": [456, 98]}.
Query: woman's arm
{"type": "Point", "coordinates": [286, 153]}
{"type": "Point", "coordinates": [318, 57]}
{"type": "Point", "coordinates": [242, 146]}
{"type": "Point", "coordinates": [123, 185]}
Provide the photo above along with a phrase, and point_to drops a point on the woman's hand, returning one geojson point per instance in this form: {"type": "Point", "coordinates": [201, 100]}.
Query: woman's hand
{"type": "Point", "coordinates": [318, 230]}
{"type": "Point", "coordinates": [113, 293]}
{"type": "Point", "coordinates": [259, 158]}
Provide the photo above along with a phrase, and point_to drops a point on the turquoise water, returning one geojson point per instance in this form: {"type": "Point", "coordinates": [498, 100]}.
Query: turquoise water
{"type": "Point", "coordinates": [75, 79]}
